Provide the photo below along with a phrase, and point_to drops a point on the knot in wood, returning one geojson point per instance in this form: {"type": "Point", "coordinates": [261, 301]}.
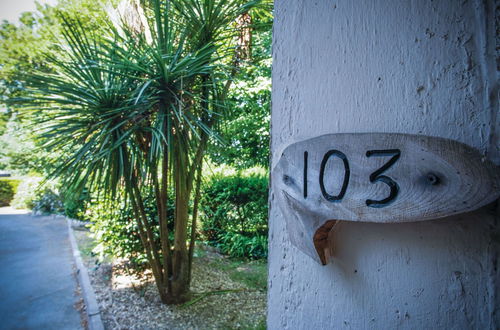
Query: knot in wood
{"type": "Point", "coordinates": [433, 179]}
{"type": "Point", "coordinates": [287, 180]}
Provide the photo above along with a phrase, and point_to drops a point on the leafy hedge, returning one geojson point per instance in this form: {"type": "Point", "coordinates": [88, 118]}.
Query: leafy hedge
{"type": "Point", "coordinates": [75, 203]}
{"type": "Point", "coordinates": [115, 228]}
{"type": "Point", "coordinates": [48, 201]}
{"type": "Point", "coordinates": [234, 214]}
{"type": "Point", "coordinates": [8, 188]}
{"type": "Point", "coordinates": [47, 198]}
{"type": "Point", "coordinates": [233, 217]}
{"type": "Point", "coordinates": [26, 193]}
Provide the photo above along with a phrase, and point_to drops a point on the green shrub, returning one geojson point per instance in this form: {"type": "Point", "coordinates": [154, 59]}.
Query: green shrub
{"type": "Point", "coordinates": [26, 193]}
{"type": "Point", "coordinates": [114, 227]}
{"type": "Point", "coordinates": [75, 203]}
{"type": "Point", "coordinates": [8, 188]}
{"type": "Point", "coordinates": [47, 202]}
{"type": "Point", "coordinates": [238, 245]}
{"type": "Point", "coordinates": [46, 198]}
{"type": "Point", "coordinates": [234, 214]}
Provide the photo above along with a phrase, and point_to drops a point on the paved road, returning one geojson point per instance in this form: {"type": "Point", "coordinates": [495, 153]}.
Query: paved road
{"type": "Point", "coordinates": [37, 284]}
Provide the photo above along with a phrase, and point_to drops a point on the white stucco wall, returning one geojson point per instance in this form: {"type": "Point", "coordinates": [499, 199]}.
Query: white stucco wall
{"type": "Point", "coordinates": [421, 67]}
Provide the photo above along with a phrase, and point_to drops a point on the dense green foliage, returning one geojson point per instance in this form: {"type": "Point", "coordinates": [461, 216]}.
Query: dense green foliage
{"type": "Point", "coordinates": [112, 223]}
{"type": "Point", "coordinates": [76, 203]}
{"type": "Point", "coordinates": [48, 201]}
{"type": "Point", "coordinates": [8, 188]}
{"type": "Point", "coordinates": [244, 134]}
{"type": "Point", "coordinates": [234, 214]}
{"type": "Point", "coordinates": [22, 52]}
{"type": "Point", "coordinates": [234, 219]}
{"type": "Point", "coordinates": [26, 193]}
{"type": "Point", "coordinates": [48, 198]}
{"type": "Point", "coordinates": [70, 203]}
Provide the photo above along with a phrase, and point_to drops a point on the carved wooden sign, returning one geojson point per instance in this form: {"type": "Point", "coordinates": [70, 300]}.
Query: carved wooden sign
{"type": "Point", "coordinates": [376, 177]}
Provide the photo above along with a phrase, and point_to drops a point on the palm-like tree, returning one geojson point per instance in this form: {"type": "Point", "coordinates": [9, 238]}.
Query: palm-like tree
{"type": "Point", "coordinates": [136, 109]}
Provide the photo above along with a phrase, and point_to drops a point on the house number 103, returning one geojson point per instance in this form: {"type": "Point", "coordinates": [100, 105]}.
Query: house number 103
{"type": "Point", "coordinates": [376, 176]}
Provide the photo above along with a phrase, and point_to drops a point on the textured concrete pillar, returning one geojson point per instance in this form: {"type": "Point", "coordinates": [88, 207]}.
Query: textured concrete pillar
{"type": "Point", "coordinates": [420, 67]}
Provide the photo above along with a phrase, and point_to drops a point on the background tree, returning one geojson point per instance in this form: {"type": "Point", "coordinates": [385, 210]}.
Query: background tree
{"type": "Point", "coordinates": [244, 134]}
{"type": "Point", "coordinates": [22, 49]}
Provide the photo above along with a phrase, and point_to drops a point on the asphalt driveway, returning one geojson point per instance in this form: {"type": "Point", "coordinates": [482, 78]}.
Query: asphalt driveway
{"type": "Point", "coordinates": [37, 281]}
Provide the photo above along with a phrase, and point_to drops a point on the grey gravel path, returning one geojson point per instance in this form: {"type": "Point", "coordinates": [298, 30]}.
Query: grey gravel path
{"type": "Point", "coordinates": [37, 284]}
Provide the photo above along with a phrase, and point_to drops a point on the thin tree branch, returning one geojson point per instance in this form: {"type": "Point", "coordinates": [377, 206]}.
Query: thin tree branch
{"type": "Point", "coordinates": [194, 218]}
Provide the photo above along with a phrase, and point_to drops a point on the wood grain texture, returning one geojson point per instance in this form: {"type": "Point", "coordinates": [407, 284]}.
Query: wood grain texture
{"type": "Point", "coordinates": [435, 178]}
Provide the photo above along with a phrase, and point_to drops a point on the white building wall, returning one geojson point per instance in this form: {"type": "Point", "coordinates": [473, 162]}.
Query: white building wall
{"type": "Point", "coordinates": [421, 67]}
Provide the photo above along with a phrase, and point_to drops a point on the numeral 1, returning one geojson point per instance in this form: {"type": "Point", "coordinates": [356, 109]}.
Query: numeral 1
{"type": "Point", "coordinates": [305, 173]}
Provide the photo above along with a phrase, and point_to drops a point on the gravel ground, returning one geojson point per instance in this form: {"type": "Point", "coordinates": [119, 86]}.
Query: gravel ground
{"type": "Point", "coordinates": [130, 301]}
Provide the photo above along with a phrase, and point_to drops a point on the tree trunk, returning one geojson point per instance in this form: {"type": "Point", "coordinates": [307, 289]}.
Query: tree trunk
{"type": "Point", "coordinates": [192, 237]}
{"type": "Point", "coordinates": [179, 281]}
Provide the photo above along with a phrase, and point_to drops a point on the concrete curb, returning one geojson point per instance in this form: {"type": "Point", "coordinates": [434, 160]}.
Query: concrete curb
{"type": "Point", "coordinates": [92, 308]}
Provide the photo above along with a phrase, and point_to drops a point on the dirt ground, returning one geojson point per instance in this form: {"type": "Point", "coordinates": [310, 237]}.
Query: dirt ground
{"type": "Point", "coordinates": [228, 294]}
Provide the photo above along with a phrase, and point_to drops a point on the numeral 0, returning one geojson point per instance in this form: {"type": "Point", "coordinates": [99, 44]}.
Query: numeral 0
{"type": "Point", "coordinates": [347, 174]}
{"type": "Point", "coordinates": [374, 177]}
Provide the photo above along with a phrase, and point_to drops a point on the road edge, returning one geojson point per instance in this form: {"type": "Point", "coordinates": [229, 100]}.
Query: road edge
{"type": "Point", "coordinates": [92, 307]}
